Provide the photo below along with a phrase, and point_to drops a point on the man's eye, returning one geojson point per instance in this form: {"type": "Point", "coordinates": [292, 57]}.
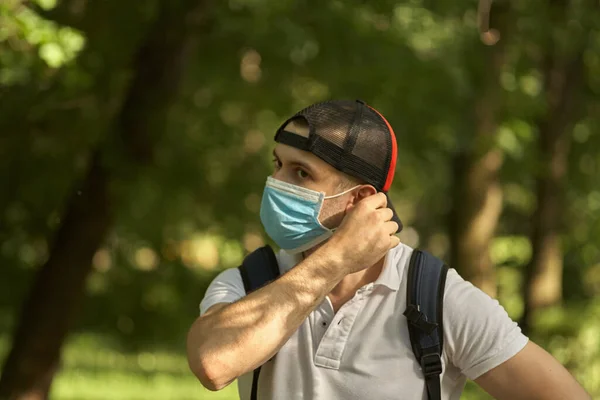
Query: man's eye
{"type": "Point", "coordinates": [302, 174]}
{"type": "Point", "coordinates": [276, 163]}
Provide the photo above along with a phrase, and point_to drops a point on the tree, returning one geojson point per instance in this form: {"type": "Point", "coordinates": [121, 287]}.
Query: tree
{"type": "Point", "coordinates": [563, 74]}
{"type": "Point", "coordinates": [476, 191]}
{"type": "Point", "coordinates": [58, 289]}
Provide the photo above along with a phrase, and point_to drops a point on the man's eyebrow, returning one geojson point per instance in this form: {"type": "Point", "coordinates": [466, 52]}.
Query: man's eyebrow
{"type": "Point", "coordinates": [297, 162]}
{"type": "Point", "coordinates": [304, 165]}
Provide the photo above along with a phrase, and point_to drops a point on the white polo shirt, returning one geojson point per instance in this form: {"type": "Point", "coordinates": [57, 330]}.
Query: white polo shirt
{"type": "Point", "coordinates": [363, 351]}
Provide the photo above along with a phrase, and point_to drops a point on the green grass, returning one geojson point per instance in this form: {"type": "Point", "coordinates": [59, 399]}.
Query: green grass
{"type": "Point", "coordinates": [74, 384]}
{"type": "Point", "coordinates": [92, 369]}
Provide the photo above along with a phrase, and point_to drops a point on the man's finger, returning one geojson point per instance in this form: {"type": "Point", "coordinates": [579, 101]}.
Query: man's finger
{"type": "Point", "coordinates": [385, 214]}
{"type": "Point", "coordinates": [390, 227]}
{"type": "Point", "coordinates": [394, 241]}
{"type": "Point", "coordinates": [378, 200]}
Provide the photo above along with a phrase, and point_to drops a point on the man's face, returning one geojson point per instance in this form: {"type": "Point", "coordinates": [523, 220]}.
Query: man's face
{"type": "Point", "coordinates": [304, 169]}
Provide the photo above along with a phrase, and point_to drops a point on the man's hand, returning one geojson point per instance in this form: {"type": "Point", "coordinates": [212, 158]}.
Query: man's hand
{"type": "Point", "coordinates": [365, 235]}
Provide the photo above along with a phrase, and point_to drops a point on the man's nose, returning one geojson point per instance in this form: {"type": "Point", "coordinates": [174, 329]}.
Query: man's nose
{"type": "Point", "coordinates": [280, 175]}
{"type": "Point", "coordinates": [276, 175]}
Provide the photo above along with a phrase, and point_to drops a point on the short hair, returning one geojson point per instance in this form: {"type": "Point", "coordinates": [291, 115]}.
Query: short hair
{"type": "Point", "coordinates": [347, 181]}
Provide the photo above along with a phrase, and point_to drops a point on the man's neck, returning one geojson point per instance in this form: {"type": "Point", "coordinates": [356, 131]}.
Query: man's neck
{"type": "Point", "coordinates": [352, 282]}
{"type": "Point", "coordinates": [348, 286]}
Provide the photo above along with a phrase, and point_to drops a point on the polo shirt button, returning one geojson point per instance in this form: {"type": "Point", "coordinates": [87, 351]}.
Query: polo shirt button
{"type": "Point", "coordinates": [324, 323]}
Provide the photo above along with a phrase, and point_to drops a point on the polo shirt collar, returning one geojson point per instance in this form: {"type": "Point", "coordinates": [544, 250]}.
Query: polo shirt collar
{"type": "Point", "coordinates": [389, 276]}
{"type": "Point", "coordinates": [287, 260]}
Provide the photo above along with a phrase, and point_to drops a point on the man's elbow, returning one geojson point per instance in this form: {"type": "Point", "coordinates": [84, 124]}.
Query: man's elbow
{"type": "Point", "coordinates": [202, 374]}
{"type": "Point", "coordinates": [204, 368]}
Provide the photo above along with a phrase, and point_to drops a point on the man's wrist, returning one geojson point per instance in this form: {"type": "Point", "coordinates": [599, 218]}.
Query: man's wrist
{"type": "Point", "coordinates": [331, 258]}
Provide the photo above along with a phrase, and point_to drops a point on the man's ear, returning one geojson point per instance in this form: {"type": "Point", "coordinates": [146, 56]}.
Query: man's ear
{"type": "Point", "coordinates": [364, 192]}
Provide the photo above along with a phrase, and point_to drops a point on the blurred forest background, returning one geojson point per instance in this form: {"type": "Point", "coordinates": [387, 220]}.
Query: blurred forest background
{"type": "Point", "coordinates": [135, 140]}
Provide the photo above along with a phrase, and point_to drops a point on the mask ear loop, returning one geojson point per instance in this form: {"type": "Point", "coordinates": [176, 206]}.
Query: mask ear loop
{"type": "Point", "coordinates": [332, 230]}
{"type": "Point", "coordinates": [341, 194]}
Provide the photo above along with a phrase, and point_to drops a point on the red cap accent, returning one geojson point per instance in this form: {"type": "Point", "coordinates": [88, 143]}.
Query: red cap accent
{"type": "Point", "coordinates": [392, 168]}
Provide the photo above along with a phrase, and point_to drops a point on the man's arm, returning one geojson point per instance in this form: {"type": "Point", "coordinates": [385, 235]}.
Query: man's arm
{"type": "Point", "coordinates": [488, 347]}
{"type": "Point", "coordinates": [230, 340]}
{"type": "Point", "coordinates": [530, 375]}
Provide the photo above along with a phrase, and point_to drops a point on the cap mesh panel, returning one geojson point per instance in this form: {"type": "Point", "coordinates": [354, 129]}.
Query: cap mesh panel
{"type": "Point", "coordinates": [330, 123]}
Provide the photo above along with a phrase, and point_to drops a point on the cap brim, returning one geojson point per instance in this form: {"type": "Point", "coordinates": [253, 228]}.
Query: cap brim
{"type": "Point", "coordinates": [395, 217]}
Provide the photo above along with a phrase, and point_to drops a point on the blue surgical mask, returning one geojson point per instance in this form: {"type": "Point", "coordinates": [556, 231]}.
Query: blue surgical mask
{"type": "Point", "coordinates": [290, 215]}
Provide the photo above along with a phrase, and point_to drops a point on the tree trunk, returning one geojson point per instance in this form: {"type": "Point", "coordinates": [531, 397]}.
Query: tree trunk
{"type": "Point", "coordinates": [477, 195]}
{"type": "Point", "coordinates": [478, 204]}
{"type": "Point", "coordinates": [58, 289]}
{"type": "Point", "coordinates": [563, 80]}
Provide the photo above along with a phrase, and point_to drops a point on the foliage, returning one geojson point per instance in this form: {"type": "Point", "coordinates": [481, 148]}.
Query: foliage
{"type": "Point", "coordinates": [64, 68]}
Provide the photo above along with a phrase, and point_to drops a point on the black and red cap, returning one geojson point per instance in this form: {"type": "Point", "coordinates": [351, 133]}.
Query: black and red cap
{"type": "Point", "coordinates": [352, 137]}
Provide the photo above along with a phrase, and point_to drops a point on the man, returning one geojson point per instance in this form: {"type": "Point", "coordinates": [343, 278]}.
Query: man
{"type": "Point", "coordinates": [334, 317]}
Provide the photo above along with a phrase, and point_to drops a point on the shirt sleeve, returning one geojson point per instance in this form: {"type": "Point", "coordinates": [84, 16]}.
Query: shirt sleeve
{"type": "Point", "coordinates": [227, 287]}
{"type": "Point", "coordinates": [478, 333]}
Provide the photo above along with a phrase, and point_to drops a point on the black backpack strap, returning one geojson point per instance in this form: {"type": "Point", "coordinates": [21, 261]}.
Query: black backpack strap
{"type": "Point", "coordinates": [258, 268]}
{"type": "Point", "coordinates": [424, 311]}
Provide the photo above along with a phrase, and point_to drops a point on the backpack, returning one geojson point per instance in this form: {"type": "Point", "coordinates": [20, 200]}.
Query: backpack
{"type": "Point", "coordinates": [424, 311]}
